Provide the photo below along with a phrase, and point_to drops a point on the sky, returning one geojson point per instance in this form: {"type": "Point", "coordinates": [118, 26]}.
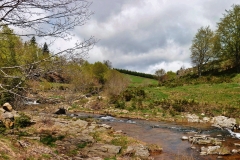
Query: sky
{"type": "Point", "coordinates": [147, 35]}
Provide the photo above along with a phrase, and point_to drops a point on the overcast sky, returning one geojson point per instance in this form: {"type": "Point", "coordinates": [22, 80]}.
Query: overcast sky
{"type": "Point", "coordinates": [146, 35]}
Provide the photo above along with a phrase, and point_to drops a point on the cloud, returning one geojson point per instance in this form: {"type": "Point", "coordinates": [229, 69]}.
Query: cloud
{"type": "Point", "coordinates": [143, 35]}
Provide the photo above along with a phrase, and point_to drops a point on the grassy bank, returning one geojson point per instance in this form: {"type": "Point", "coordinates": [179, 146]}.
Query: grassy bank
{"type": "Point", "coordinates": [209, 98]}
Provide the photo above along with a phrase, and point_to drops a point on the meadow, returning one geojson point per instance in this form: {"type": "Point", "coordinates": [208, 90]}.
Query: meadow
{"type": "Point", "coordinates": [211, 98]}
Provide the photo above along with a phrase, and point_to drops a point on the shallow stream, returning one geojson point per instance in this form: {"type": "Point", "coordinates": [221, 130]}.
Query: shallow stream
{"type": "Point", "coordinates": [168, 136]}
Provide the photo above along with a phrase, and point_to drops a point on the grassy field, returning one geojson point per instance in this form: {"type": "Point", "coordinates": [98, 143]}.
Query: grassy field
{"type": "Point", "coordinates": [225, 93]}
{"type": "Point", "coordinates": [140, 81]}
{"type": "Point", "coordinates": [217, 97]}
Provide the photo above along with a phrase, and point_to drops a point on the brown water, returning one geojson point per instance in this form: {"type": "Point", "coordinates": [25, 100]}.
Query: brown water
{"type": "Point", "coordinates": [168, 136]}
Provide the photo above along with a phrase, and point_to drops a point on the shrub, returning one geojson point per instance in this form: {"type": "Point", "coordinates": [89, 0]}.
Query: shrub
{"type": "Point", "coordinates": [2, 127]}
{"type": "Point", "coordinates": [50, 140]}
{"type": "Point", "coordinates": [120, 104]}
{"type": "Point", "coordinates": [22, 121]}
{"type": "Point", "coordinates": [120, 141]}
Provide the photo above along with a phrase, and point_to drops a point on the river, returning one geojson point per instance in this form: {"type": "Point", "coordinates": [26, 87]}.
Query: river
{"type": "Point", "coordinates": [168, 136]}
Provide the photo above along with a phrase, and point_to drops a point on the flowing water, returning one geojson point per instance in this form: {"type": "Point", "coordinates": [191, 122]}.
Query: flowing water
{"type": "Point", "coordinates": [168, 136]}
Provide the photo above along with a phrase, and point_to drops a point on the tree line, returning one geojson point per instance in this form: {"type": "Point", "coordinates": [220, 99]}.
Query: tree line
{"type": "Point", "coordinates": [134, 73]}
{"type": "Point", "coordinates": [24, 63]}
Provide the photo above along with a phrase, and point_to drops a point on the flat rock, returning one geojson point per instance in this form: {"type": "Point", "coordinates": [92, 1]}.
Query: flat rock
{"type": "Point", "coordinates": [138, 150]}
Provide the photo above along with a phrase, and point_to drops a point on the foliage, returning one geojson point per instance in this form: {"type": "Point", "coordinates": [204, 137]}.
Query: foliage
{"type": "Point", "coordinates": [170, 75]}
{"type": "Point", "coordinates": [116, 83]}
{"type": "Point", "coordinates": [45, 49]}
{"type": "Point", "coordinates": [201, 49]}
{"type": "Point", "coordinates": [228, 36]}
{"type": "Point", "coordinates": [134, 73]}
{"type": "Point", "coordinates": [100, 70]}
{"type": "Point", "coordinates": [82, 145]}
{"type": "Point", "coordinates": [50, 140]}
{"type": "Point", "coordinates": [120, 141]}
{"type": "Point", "coordinates": [21, 61]}
{"type": "Point", "coordinates": [108, 63]}
{"type": "Point", "coordinates": [2, 127]}
{"type": "Point", "coordinates": [22, 121]}
{"type": "Point", "coordinates": [160, 74]}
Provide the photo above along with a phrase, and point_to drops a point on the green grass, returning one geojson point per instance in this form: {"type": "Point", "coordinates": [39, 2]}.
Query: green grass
{"type": "Point", "coordinates": [209, 97]}
{"type": "Point", "coordinates": [140, 81]}
{"type": "Point", "coordinates": [224, 93]}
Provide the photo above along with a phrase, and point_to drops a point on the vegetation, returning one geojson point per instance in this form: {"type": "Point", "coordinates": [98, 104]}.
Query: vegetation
{"type": "Point", "coordinates": [202, 48]}
{"type": "Point", "coordinates": [22, 121]}
{"type": "Point", "coordinates": [219, 50]}
{"type": "Point", "coordinates": [50, 140]}
{"type": "Point", "coordinates": [135, 73]}
{"type": "Point", "coordinates": [26, 60]}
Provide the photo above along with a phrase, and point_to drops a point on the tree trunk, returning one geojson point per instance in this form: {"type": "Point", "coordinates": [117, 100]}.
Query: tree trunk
{"type": "Point", "coordinates": [238, 62]}
{"type": "Point", "coordinates": [199, 71]}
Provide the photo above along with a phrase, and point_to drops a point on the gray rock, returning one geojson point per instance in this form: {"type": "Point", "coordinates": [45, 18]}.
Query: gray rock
{"type": "Point", "coordinates": [206, 119]}
{"type": "Point", "coordinates": [80, 123]}
{"type": "Point", "coordinates": [105, 126]}
{"type": "Point", "coordinates": [184, 138]}
{"type": "Point", "coordinates": [111, 149]}
{"type": "Point", "coordinates": [209, 150]}
{"type": "Point", "coordinates": [7, 115]}
{"type": "Point", "coordinates": [103, 150]}
{"type": "Point", "coordinates": [192, 118]}
{"type": "Point", "coordinates": [223, 122]}
{"type": "Point", "coordinates": [138, 150]}
{"type": "Point", "coordinates": [235, 150]}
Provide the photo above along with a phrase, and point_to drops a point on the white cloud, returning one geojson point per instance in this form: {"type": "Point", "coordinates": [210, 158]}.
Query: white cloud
{"type": "Point", "coordinates": [148, 35]}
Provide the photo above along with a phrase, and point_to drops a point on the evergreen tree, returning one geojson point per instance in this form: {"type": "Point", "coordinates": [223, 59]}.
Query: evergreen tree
{"type": "Point", "coordinates": [45, 49]}
{"type": "Point", "coordinates": [33, 41]}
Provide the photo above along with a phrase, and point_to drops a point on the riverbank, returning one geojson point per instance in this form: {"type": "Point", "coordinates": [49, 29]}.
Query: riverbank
{"type": "Point", "coordinates": [58, 136]}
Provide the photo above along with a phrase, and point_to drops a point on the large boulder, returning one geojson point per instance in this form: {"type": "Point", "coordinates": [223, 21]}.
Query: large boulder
{"type": "Point", "coordinates": [223, 122]}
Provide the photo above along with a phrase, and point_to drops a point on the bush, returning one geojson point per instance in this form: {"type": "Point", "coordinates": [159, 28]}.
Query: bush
{"type": "Point", "coordinates": [22, 121]}
{"type": "Point", "coordinates": [50, 140]}
{"type": "Point", "coordinates": [120, 104]}
{"type": "Point", "coordinates": [2, 127]}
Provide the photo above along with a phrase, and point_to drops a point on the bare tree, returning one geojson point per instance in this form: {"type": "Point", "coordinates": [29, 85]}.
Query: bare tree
{"type": "Point", "coordinates": [108, 63]}
{"type": "Point", "coordinates": [42, 18]}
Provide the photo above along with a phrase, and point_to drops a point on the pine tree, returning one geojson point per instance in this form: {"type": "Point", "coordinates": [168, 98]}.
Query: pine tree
{"type": "Point", "coordinates": [45, 49]}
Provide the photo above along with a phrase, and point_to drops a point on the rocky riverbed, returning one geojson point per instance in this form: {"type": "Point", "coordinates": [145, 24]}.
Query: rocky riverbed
{"type": "Point", "coordinates": [58, 136]}
{"type": "Point", "coordinates": [55, 135]}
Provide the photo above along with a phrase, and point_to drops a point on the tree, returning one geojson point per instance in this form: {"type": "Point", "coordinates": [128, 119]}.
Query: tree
{"type": "Point", "coordinates": [108, 63]}
{"type": "Point", "coordinates": [201, 49]}
{"type": "Point", "coordinates": [116, 83]}
{"type": "Point", "coordinates": [45, 49]}
{"type": "Point", "coordinates": [100, 70]}
{"type": "Point", "coordinates": [228, 32]}
{"type": "Point", "coordinates": [160, 74]}
{"type": "Point", "coordinates": [43, 18]}
{"type": "Point", "coordinates": [171, 75]}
